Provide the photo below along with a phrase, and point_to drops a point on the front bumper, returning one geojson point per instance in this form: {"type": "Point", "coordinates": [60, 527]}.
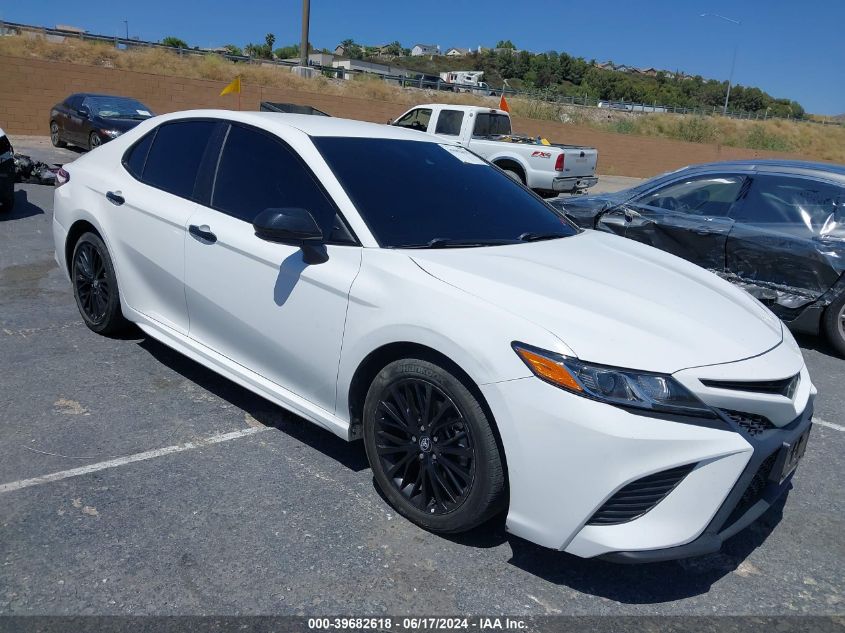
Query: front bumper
{"type": "Point", "coordinates": [573, 183]}
{"type": "Point", "coordinates": [567, 456]}
{"type": "Point", "coordinates": [755, 492]}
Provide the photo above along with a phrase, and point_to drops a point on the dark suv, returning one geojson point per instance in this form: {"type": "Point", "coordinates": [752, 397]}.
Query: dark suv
{"type": "Point", "coordinates": [89, 120]}
{"type": "Point", "coordinates": [776, 228]}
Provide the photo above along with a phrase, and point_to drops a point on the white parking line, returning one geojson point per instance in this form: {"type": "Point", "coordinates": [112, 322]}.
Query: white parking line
{"type": "Point", "coordinates": [830, 425]}
{"type": "Point", "coordinates": [129, 459]}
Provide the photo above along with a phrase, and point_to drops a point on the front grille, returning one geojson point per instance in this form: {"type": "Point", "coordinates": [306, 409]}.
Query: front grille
{"type": "Point", "coordinates": [754, 492]}
{"type": "Point", "coordinates": [751, 423]}
{"type": "Point", "coordinates": [785, 387]}
{"type": "Point", "coordinates": [638, 497]}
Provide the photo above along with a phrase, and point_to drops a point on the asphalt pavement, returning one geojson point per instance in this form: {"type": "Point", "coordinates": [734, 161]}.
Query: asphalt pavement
{"type": "Point", "coordinates": [214, 501]}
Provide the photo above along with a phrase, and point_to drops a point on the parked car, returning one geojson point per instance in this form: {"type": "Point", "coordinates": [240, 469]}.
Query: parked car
{"type": "Point", "coordinates": [7, 173]}
{"type": "Point", "coordinates": [89, 120]}
{"type": "Point", "coordinates": [775, 228]}
{"type": "Point", "coordinates": [547, 169]}
{"type": "Point", "coordinates": [615, 400]}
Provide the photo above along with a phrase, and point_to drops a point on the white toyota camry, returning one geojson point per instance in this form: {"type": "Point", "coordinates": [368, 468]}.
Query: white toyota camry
{"type": "Point", "coordinates": [613, 399]}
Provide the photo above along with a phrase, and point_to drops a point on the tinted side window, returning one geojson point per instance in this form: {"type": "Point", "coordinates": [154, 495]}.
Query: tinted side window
{"type": "Point", "coordinates": [798, 204]}
{"type": "Point", "coordinates": [449, 122]}
{"type": "Point", "coordinates": [415, 120]}
{"type": "Point", "coordinates": [709, 195]}
{"type": "Point", "coordinates": [175, 156]}
{"type": "Point", "coordinates": [260, 172]}
{"type": "Point", "coordinates": [136, 155]}
{"type": "Point", "coordinates": [491, 125]}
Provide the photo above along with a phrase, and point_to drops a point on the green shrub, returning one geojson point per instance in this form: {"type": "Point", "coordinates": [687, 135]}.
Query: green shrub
{"type": "Point", "coordinates": [695, 130]}
{"type": "Point", "coordinates": [759, 138]}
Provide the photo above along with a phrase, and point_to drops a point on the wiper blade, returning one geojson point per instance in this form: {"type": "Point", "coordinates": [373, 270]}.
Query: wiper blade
{"type": "Point", "coordinates": [539, 237]}
{"type": "Point", "coordinates": [446, 242]}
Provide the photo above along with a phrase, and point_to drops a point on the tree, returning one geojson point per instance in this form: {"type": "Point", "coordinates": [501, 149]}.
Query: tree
{"type": "Point", "coordinates": [269, 40]}
{"type": "Point", "coordinates": [506, 44]}
{"type": "Point", "coordinates": [174, 42]}
{"type": "Point", "coordinates": [287, 52]}
{"type": "Point", "coordinates": [231, 49]}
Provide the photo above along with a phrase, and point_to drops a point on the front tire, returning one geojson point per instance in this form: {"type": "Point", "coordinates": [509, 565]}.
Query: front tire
{"type": "Point", "coordinates": [833, 323]}
{"type": "Point", "coordinates": [95, 286]}
{"type": "Point", "coordinates": [432, 448]}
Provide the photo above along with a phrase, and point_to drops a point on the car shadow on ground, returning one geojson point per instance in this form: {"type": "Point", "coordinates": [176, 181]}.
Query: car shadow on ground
{"type": "Point", "coordinates": [649, 583]}
{"type": "Point", "coordinates": [349, 454]}
{"type": "Point", "coordinates": [817, 344]}
{"type": "Point", "coordinates": [23, 208]}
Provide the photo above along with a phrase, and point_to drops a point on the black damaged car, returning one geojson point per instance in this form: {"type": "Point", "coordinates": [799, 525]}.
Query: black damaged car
{"type": "Point", "coordinates": [88, 120]}
{"type": "Point", "coordinates": [775, 228]}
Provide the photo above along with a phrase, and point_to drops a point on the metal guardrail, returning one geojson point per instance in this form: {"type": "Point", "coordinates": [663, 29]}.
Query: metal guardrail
{"type": "Point", "coordinates": [414, 79]}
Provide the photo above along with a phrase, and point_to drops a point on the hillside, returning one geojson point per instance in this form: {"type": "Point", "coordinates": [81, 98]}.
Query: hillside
{"type": "Point", "coordinates": [824, 142]}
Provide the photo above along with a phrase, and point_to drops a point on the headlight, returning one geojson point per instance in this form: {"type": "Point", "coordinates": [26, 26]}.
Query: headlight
{"type": "Point", "coordinates": [613, 385]}
{"type": "Point", "coordinates": [111, 133]}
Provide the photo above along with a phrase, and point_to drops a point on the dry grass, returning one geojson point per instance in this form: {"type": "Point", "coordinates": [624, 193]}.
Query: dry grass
{"type": "Point", "coordinates": [826, 142]}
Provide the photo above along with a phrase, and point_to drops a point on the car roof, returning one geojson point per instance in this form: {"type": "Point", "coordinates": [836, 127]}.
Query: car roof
{"type": "Point", "coordinates": [772, 163]}
{"type": "Point", "coordinates": [462, 108]}
{"type": "Point", "coordinates": [310, 124]}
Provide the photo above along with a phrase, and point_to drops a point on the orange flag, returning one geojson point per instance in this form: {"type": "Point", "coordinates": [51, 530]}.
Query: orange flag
{"type": "Point", "coordinates": [503, 104]}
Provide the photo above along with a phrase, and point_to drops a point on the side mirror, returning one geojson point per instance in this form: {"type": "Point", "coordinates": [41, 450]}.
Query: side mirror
{"type": "Point", "coordinates": [293, 226]}
{"type": "Point", "coordinates": [83, 111]}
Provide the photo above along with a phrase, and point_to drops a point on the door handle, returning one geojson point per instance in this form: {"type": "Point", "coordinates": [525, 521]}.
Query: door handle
{"type": "Point", "coordinates": [115, 198]}
{"type": "Point", "coordinates": [203, 233]}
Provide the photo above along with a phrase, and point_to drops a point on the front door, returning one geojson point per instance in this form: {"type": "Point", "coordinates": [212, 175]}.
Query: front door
{"type": "Point", "coordinates": [257, 302]}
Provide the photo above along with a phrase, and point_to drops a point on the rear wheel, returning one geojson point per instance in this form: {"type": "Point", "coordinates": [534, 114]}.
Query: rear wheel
{"type": "Point", "coordinates": [95, 286]}
{"type": "Point", "coordinates": [514, 174]}
{"type": "Point", "coordinates": [432, 448]}
{"type": "Point", "coordinates": [55, 139]}
{"type": "Point", "coordinates": [94, 141]}
{"type": "Point", "coordinates": [833, 323]}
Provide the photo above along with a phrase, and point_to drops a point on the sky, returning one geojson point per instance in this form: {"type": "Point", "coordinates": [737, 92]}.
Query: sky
{"type": "Point", "coordinates": [789, 49]}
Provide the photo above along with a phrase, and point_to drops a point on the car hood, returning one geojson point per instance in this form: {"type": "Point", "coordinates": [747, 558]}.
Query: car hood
{"type": "Point", "coordinates": [113, 123]}
{"type": "Point", "coordinates": [614, 301]}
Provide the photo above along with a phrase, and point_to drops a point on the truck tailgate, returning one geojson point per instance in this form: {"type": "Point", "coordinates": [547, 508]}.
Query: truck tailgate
{"type": "Point", "coordinates": [579, 162]}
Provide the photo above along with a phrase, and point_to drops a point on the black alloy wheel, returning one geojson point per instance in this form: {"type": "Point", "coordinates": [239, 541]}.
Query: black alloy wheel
{"type": "Point", "coordinates": [424, 446]}
{"type": "Point", "coordinates": [432, 447]}
{"type": "Point", "coordinates": [95, 285]}
{"type": "Point", "coordinates": [94, 141]}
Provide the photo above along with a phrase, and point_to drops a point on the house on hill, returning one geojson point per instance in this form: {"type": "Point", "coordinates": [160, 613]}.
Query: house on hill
{"type": "Point", "coordinates": [425, 49]}
{"type": "Point", "coordinates": [457, 52]}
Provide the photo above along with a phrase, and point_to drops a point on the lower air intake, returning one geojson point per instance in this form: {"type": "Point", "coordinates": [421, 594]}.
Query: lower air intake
{"type": "Point", "coordinates": [639, 496]}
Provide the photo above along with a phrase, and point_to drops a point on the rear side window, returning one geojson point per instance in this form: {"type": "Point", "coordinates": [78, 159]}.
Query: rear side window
{"type": "Point", "coordinates": [175, 156]}
{"type": "Point", "coordinates": [449, 122]}
{"type": "Point", "coordinates": [793, 204]}
{"type": "Point", "coordinates": [491, 125]}
{"type": "Point", "coordinates": [135, 158]}
{"type": "Point", "coordinates": [258, 172]}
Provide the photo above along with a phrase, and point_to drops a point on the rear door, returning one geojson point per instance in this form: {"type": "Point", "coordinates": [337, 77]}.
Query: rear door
{"type": "Point", "coordinates": [69, 119]}
{"type": "Point", "coordinates": [257, 302]}
{"type": "Point", "coordinates": [158, 194]}
{"type": "Point", "coordinates": [449, 124]}
{"type": "Point", "coordinates": [689, 218]}
{"type": "Point", "coordinates": [789, 238]}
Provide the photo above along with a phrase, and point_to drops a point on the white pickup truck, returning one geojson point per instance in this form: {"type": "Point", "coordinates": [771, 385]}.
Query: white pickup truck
{"type": "Point", "coordinates": [547, 169]}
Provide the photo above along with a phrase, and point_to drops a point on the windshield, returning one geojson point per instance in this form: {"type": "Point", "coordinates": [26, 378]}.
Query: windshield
{"type": "Point", "coordinates": [118, 108]}
{"type": "Point", "coordinates": [416, 194]}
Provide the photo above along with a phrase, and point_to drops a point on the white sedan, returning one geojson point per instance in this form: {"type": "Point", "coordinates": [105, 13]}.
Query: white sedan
{"type": "Point", "coordinates": [612, 399]}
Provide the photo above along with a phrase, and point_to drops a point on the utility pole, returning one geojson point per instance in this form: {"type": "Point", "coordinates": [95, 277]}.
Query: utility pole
{"type": "Point", "coordinates": [733, 60]}
{"type": "Point", "coordinates": [303, 47]}
{"type": "Point", "coordinates": [126, 23]}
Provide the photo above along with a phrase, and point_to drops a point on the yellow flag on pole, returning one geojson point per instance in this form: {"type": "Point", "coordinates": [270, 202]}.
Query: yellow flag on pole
{"type": "Point", "coordinates": [235, 86]}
